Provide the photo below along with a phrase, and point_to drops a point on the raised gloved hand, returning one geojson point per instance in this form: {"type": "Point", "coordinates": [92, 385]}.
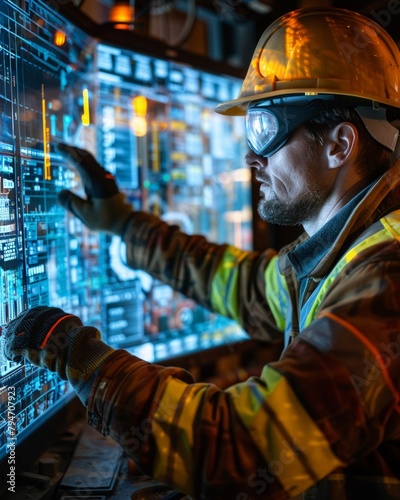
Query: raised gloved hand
{"type": "Point", "coordinates": [105, 208]}
{"type": "Point", "coordinates": [50, 338]}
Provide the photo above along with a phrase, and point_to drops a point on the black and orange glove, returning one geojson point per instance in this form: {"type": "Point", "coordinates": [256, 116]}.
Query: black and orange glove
{"type": "Point", "coordinates": [52, 339]}
{"type": "Point", "coordinates": [105, 208]}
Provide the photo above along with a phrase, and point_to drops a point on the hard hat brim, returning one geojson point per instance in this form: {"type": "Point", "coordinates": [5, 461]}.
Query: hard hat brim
{"type": "Point", "coordinates": [238, 107]}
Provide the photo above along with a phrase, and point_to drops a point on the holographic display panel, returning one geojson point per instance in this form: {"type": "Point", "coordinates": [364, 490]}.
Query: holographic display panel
{"type": "Point", "coordinates": [151, 123]}
{"type": "Point", "coordinates": [44, 77]}
{"type": "Point", "coordinates": [174, 157]}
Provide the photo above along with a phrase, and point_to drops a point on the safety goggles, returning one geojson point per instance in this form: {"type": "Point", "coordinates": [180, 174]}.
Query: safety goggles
{"type": "Point", "coordinates": [269, 123]}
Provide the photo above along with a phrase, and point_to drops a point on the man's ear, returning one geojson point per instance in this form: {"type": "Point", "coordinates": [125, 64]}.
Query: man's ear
{"type": "Point", "coordinates": [341, 144]}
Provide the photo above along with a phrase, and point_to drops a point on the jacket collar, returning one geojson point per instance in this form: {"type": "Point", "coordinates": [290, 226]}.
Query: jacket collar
{"type": "Point", "coordinates": [368, 206]}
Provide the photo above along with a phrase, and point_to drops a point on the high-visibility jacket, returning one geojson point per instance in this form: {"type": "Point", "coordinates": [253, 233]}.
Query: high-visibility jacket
{"type": "Point", "coordinates": [323, 421]}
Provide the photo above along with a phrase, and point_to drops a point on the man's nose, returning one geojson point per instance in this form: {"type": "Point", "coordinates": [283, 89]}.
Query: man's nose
{"type": "Point", "coordinates": [254, 160]}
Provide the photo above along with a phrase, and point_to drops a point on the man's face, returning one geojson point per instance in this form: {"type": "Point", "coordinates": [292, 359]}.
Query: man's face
{"type": "Point", "coordinates": [294, 183]}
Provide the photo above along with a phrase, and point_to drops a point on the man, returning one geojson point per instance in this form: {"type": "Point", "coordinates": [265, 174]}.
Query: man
{"type": "Point", "coordinates": [323, 421]}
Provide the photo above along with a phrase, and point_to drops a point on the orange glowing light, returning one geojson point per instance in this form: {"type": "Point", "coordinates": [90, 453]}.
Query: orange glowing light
{"type": "Point", "coordinates": [59, 38]}
{"type": "Point", "coordinates": [139, 126]}
{"type": "Point", "coordinates": [139, 104]}
{"type": "Point", "coordinates": [139, 122]}
{"type": "Point", "coordinates": [122, 14]}
{"type": "Point", "coordinates": [46, 139]}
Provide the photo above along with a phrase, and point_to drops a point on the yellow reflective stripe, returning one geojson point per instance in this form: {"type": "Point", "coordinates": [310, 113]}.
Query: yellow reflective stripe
{"type": "Point", "coordinates": [276, 292]}
{"type": "Point", "coordinates": [285, 434]}
{"type": "Point", "coordinates": [173, 427]}
{"type": "Point", "coordinates": [376, 238]}
{"type": "Point", "coordinates": [224, 289]}
{"type": "Point", "coordinates": [391, 228]}
{"type": "Point", "coordinates": [366, 479]}
{"type": "Point", "coordinates": [392, 224]}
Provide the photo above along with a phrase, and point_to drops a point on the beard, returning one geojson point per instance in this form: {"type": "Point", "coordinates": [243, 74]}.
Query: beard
{"type": "Point", "coordinates": [296, 213]}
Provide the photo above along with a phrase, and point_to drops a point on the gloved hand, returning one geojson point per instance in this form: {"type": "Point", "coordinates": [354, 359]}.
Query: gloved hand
{"type": "Point", "coordinates": [105, 208]}
{"type": "Point", "coordinates": [50, 338]}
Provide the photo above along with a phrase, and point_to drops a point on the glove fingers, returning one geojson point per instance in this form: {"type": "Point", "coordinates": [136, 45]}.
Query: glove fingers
{"type": "Point", "coordinates": [85, 162]}
{"type": "Point", "coordinates": [79, 207]}
{"type": "Point", "coordinates": [98, 183]}
{"type": "Point", "coordinates": [64, 199]}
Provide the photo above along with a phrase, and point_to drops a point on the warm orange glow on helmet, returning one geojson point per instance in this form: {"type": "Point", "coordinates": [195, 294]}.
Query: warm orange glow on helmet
{"type": "Point", "coordinates": [321, 51]}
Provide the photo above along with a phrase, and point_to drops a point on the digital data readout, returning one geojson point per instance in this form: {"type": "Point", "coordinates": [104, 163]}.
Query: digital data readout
{"type": "Point", "coordinates": [151, 123]}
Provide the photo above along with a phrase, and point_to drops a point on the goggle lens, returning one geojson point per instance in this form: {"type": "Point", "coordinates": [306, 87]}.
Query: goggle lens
{"type": "Point", "coordinates": [262, 127]}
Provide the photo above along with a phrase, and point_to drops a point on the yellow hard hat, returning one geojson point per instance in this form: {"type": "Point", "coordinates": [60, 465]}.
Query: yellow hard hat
{"type": "Point", "coordinates": [321, 51]}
